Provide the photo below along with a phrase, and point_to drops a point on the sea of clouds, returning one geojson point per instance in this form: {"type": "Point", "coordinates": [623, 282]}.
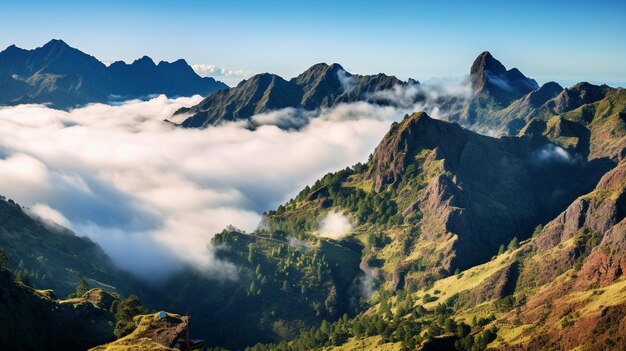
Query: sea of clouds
{"type": "Point", "coordinates": [153, 194]}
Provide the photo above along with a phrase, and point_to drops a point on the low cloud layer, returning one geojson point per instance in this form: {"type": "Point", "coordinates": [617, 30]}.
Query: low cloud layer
{"type": "Point", "coordinates": [152, 195]}
{"type": "Point", "coordinates": [434, 99]}
{"type": "Point", "coordinates": [348, 82]}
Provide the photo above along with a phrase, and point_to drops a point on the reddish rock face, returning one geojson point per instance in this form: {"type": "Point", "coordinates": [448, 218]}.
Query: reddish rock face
{"type": "Point", "coordinates": [608, 262]}
{"type": "Point", "coordinates": [404, 140]}
{"type": "Point", "coordinates": [600, 214]}
{"type": "Point", "coordinates": [600, 210]}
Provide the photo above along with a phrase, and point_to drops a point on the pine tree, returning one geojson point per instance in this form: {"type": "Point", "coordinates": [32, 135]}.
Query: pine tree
{"type": "Point", "coordinates": [81, 288]}
{"type": "Point", "coordinates": [250, 254]}
{"type": "Point", "coordinates": [4, 261]}
{"type": "Point", "coordinates": [514, 244]}
{"type": "Point", "coordinates": [325, 328]}
{"type": "Point", "coordinates": [537, 230]}
{"type": "Point", "coordinates": [125, 311]}
{"type": "Point", "coordinates": [385, 309]}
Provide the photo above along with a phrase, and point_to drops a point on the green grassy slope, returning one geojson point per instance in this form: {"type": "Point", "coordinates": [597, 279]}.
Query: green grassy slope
{"type": "Point", "coordinates": [53, 257]}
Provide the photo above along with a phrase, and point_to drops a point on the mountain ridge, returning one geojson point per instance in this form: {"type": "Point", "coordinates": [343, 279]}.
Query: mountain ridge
{"type": "Point", "coordinates": [66, 77]}
{"type": "Point", "coordinates": [458, 240]}
{"type": "Point", "coordinates": [320, 86]}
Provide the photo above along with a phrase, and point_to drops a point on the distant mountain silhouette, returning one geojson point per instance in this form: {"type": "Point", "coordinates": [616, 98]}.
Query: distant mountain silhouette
{"type": "Point", "coordinates": [321, 85]}
{"type": "Point", "coordinates": [66, 77]}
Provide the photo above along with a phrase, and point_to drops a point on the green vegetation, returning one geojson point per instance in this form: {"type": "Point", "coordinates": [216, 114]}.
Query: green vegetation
{"type": "Point", "coordinates": [124, 312]}
{"type": "Point", "coordinates": [407, 327]}
{"type": "Point", "coordinates": [342, 189]}
{"type": "Point", "coordinates": [53, 257]}
{"type": "Point", "coordinates": [33, 319]}
{"type": "Point", "coordinates": [81, 288]}
{"type": "Point", "coordinates": [4, 261]}
{"type": "Point", "coordinates": [432, 261]}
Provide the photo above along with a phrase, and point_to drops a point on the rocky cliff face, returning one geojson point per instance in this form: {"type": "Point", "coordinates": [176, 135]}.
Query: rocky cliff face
{"type": "Point", "coordinates": [493, 89]}
{"type": "Point", "coordinates": [490, 76]}
{"type": "Point", "coordinates": [606, 214]}
{"type": "Point", "coordinates": [599, 210]}
{"type": "Point", "coordinates": [571, 279]}
{"type": "Point", "coordinates": [405, 139]}
{"type": "Point", "coordinates": [486, 190]}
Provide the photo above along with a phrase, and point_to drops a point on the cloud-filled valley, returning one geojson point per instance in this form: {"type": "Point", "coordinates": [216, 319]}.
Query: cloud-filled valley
{"type": "Point", "coordinates": [151, 194]}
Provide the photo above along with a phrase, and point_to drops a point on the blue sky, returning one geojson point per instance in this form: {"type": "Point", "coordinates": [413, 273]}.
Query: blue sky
{"type": "Point", "coordinates": [566, 41]}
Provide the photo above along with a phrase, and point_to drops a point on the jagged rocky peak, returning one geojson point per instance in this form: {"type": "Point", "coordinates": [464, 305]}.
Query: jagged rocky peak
{"type": "Point", "coordinates": [406, 138]}
{"type": "Point", "coordinates": [485, 61]}
{"type": "Point", "coordinates": [320, 86]}
{"type": "Point", "coordinates": [488, 73]}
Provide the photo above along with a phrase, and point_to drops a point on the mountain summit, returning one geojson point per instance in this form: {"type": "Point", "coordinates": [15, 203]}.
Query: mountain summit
{"type": "Point", "coordinates": [321, 85]}
{"type": "Point", "coordinates": [488, 74]}
{"type": "Point", "coordinates": [493, 88]}
{"type": "Point", "coordinates": [66, 77]}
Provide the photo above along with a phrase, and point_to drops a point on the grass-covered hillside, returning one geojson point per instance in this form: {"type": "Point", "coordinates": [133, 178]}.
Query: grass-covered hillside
{"type": "Point", "coordinates": [279, 285]}
{"type": "Point", "coordinates": [32, 319]}
{"type": "Point", "coordinates": [563, 289]}
{"type": "Point", "coordinates": [52, 257]}
{"type": "Point", "coordinates": [434, 200]}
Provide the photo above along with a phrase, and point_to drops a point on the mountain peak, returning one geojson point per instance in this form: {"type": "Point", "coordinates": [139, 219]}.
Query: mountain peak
{"type": "Point", "coordinates": [336, 67]}
{"type": "Point", "coordinates": [145, 60]}
{"type": "Point", "coordinates": [320, 70]}
{"type": "Point", "coordinates": [417, 116]}
{"type": "Point", "coordinates": [538, 97]}
{"type": "Point", "coordinates": [489, 75]}
{"type": "Point", "coordinates": [324, 66]}
{"type": "Point", "coordinates": [55, 44]}
{"type": "Point", "coordinates": [180, 62]}
{"type": "Point", "coordinates": [404, 140]}
{"type": "Point", "coordinates": [486, 61]}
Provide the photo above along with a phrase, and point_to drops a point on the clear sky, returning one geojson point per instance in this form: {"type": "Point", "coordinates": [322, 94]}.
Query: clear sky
{"type": "Point", "coordinates": [566, 41]}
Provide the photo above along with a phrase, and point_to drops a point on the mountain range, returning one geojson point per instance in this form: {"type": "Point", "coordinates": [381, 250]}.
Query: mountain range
{"type": "Point", "coordinates": [460, 241]}
{"type": "Point", "coordinates": [65, 77]}
{"type": "Point", "coordinates": [320, 86]}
